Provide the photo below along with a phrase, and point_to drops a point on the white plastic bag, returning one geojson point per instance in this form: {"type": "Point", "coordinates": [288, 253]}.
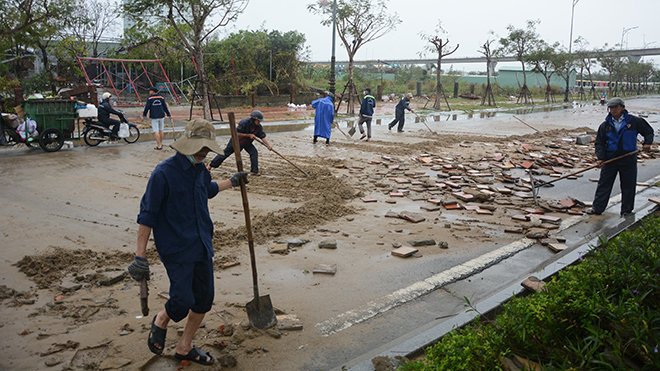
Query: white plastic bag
{"type": "Point", "coordinates": [123, 130]}
{"type": "Point", "coordinates": [27, 129]}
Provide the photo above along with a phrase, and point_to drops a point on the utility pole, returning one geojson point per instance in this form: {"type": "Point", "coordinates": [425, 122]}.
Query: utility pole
{"type": "Point", "coordinates": [570, 44]}
{"type": "Point", "coordinates": [332, 59]}
{"type": "Point", "coordinates": [618, 73]}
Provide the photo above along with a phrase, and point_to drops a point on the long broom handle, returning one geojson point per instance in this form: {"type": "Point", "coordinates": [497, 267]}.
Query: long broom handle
{"type": "Point", "coordinates": [526, 124]}
{"type": "Point", "coordinates": [286, 159]}
{"type": "Point", "coordinates": [246, 206]}
{"type": "Point", "coordinates": [423, 122]}
{"type": "Point", "coordinates": [591, 167]}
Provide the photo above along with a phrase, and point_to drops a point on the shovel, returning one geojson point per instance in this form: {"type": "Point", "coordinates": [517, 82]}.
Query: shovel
{"type": "Point", "coordinates": [260, 310]}
{"type": "Point", "coordinates": [173, 132]}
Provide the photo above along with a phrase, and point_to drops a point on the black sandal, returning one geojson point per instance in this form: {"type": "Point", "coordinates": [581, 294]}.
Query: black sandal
{"type": "Point", "coordinates": [156, 337]}
{"type": "Point", "coordinates": [196, 355]}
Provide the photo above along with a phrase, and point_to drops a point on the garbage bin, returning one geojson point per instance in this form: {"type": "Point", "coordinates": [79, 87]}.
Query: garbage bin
{"type": "Point", "coordinates": [52, 113]}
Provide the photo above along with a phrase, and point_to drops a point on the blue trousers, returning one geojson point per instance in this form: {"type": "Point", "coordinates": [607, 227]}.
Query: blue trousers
{"type": "Point", "coordinates": [400, 117]}
{"type": "Point", "coordinates": [249, 148]}
{"type": "Point", "coordinates": [191, 288]}
{"type": "Point", "coordinates": [627, 170]}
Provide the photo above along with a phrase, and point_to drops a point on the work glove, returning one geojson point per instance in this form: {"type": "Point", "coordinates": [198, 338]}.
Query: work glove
{"type": "Point", "coordinates": [139, 268]}
{"type": "Point", "coordinates": [236, 178]}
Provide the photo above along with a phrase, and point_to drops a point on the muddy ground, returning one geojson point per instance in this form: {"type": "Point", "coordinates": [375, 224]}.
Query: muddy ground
{"type": "Point", "coordinates": [68, 233]}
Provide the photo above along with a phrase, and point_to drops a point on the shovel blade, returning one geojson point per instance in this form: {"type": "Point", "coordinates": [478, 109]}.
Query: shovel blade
{"type": "Point", "coordinates": [261, 313]}
{"type": "Point", "coordinates": [351, 131]}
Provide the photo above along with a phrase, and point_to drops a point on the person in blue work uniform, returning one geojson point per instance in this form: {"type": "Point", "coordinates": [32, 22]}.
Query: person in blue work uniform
{"type": "Point", "coordinates": [325, 115]}
{"type": "Point", "coordinates": [157, 108]}
{"type": "Point", "coordinates": [104, 111]}
{"type": "Point", "coordinates": [617, 135]}
{"type": "Point", "coordinates": [247, 130]}
{"type": "Point", "coordinates": [366, 113]}
{"type": "Point", "coordinates": [175, 208]}
{"type": "Point", "coordinates": [400, 113]}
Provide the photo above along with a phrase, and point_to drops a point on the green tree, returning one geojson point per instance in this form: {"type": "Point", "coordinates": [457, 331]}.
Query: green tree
{"type": "Point", "coordinates": [586, 61]}
{"type": "Point", "coordinates": [248, 60]}
{"type": "Point", "coordinates": [542, 60]}
{"type": "Point", "coordinates": [521, 42]}
{"type": "Point", "coordinates": [358, 22]}
{"type": "Point", "coordinates": [194, 21]}
{"type": "Point", "coordinates": [609, 59]}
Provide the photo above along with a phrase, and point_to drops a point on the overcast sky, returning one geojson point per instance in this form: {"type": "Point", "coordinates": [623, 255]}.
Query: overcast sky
{"type": "Point", "coordinates": [467, 23]}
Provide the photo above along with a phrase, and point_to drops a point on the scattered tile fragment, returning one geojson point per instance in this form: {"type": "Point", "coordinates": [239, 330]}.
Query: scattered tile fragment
{"type": "Point", "coordinates": [404, 251]}
{"type": "Point", "coordinates": [534, 284]}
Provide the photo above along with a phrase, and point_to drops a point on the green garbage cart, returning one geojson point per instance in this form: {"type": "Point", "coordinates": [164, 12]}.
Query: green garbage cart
{"type": "Point", "coordinates": [55, 120]}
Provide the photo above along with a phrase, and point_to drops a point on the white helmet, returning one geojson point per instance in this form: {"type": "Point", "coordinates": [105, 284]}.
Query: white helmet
{"type": "Point", "coordinates": [106, 96]}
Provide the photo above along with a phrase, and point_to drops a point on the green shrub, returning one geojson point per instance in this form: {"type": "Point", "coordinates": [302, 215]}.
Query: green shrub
{"type": "Point", "coordinates": [601, 314]}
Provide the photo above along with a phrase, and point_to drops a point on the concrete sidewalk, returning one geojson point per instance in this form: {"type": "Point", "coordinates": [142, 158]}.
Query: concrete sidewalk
{"type": "Point", "coordinates": [588, 230]}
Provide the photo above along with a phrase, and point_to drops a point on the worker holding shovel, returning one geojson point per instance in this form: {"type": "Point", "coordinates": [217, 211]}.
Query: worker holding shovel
{"type": "Point", "coordinates": [175, 207]}
{"type": "Point", "coordinates": [617, 136]}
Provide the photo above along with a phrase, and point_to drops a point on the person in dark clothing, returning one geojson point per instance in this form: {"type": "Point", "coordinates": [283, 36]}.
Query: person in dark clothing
{"type": "Point", "coordinates": [617, 135]}
{"type": "Point", "coordinates": [175, 208]}
{"type": "Point", "coordinates": [104, 111]}
{"type": "Point", "coordinates": [248, 130]}
{"type": "Point", "coordinates": [400, 113]}
{"type": "Point", "coordinates": [366, 113]}
{"type": "Point", "coordinates": [157, 108]}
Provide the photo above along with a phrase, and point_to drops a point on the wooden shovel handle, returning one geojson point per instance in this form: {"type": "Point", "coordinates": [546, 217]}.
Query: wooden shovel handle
{"type": "Point", "coordinates": [246, 206]}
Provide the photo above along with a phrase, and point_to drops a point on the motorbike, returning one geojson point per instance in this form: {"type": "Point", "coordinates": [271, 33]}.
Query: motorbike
{"type": "Point", "coordinates": [95, 132]}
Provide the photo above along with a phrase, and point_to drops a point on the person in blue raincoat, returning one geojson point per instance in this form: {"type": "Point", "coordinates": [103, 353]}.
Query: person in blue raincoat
{"type": "Point", "coordinates": [325, 115]}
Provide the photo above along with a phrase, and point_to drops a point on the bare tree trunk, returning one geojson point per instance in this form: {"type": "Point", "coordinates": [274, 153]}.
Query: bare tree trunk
{"type": "Point", "coordinates": [438, 88]}
{"type": "Point", "coordinates": [203, 83]}
{"type": "Point", "coordinates": [351, 88]}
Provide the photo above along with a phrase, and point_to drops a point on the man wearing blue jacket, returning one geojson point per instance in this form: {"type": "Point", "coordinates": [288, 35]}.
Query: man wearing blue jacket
{"type": "Point", "coordinates": [366, 113]}
{"type": "Point", "coordinates": [400, 113]}
{"type": "Point", "coordinates": [157, 108]}
{"type": "Point", "coordinates": [617, 135]}
{"type": "Point", "coordinates": [325, 115]}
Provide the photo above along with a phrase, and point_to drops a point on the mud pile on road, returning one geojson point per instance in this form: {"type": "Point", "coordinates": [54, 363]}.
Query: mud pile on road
{"type": "Point", "coordinates": [323, 197]}
{"type": "Point", "coordinates": [47, 269]}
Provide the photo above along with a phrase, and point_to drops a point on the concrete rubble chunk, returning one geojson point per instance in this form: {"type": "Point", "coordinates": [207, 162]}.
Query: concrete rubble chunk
{"type": "Point", "coordinates": [325, 269]}
{"type": "Point", "coordinates": [69, 286]}
{"type": "Point", "coordinates": [427, 242]}
{"type": "Point", "coordinates": [537, 233]}
{"type": "Point", "coordinates": [294, 242]}
{"type": "Point", "coordinates": [328, 244]}
{"type": "Point", "coordinates": [289, 322]}
{"type": "Point", "coordinates": [110, 278]}
{"type": "Point", "coordinates": [278, 248]}
{"type": "Point", "coordinates": [412, 217]}
{"type": "Point", "coordinates": [583, 140]}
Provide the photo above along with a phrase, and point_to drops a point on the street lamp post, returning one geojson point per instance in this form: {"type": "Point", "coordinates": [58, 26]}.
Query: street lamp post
{"type": "Point", "coordinates": [618, 73]}
{"type": "Point", "coordinates": [570, 44]}
{"type": "Point", "coordinates": [332, 59]}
